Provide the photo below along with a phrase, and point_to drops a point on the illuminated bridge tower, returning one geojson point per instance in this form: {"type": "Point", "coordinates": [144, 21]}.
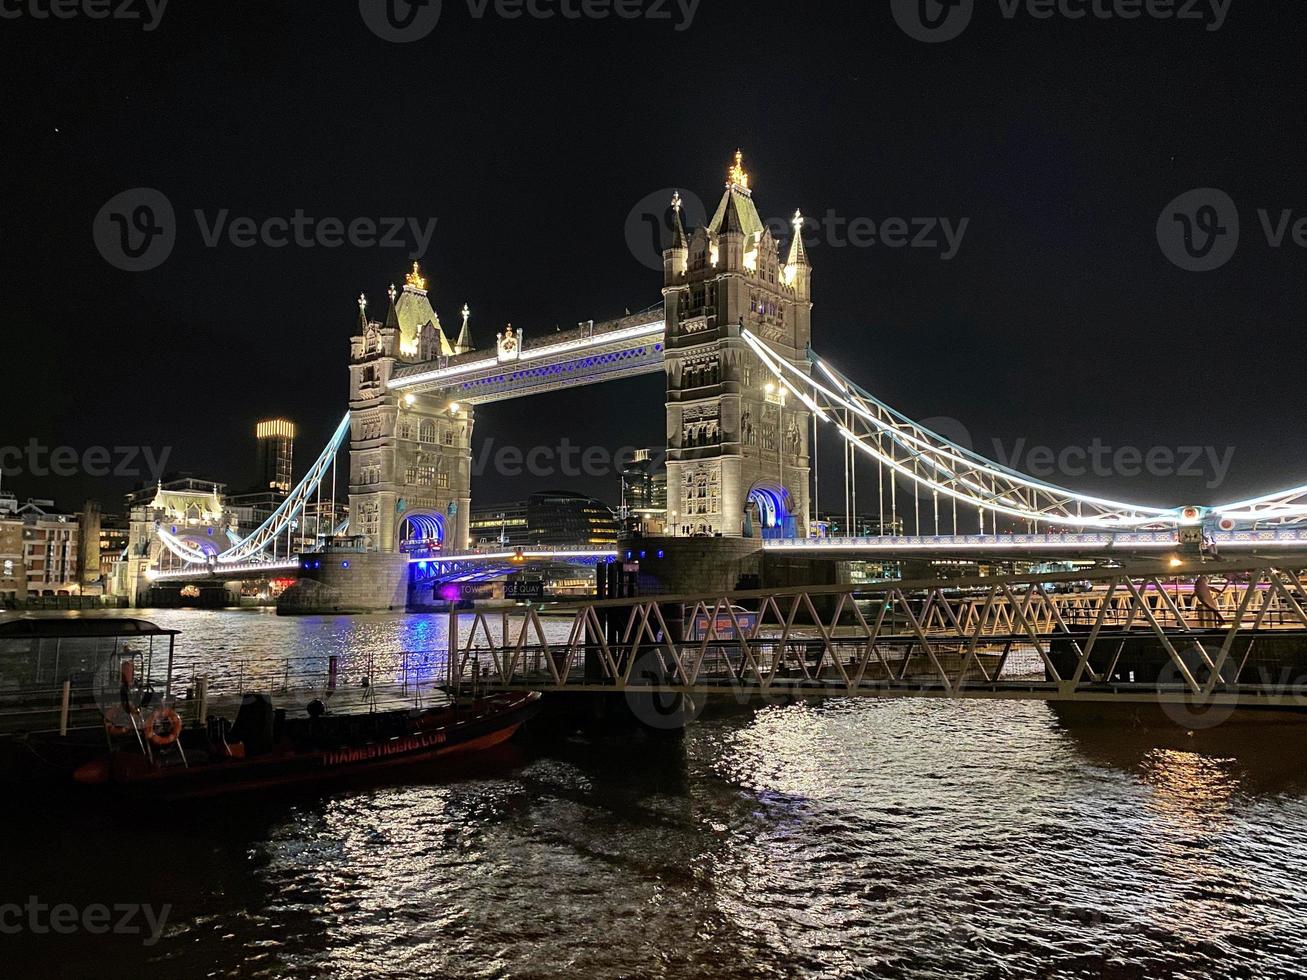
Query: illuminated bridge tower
{"type": "Point", "coordinates": [410, 453]}
{"type": "Point", "coordinates": [738, 456]}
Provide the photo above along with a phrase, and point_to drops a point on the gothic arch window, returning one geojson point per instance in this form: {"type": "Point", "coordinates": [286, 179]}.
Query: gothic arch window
{"type": "Point", "coordinates": [427, 431]}
{"type": "Point", "coordinates": [406, 428]}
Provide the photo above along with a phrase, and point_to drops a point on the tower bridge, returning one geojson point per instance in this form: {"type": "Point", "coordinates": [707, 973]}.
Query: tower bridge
{"type": "Point", "coordinates": [747, 401]}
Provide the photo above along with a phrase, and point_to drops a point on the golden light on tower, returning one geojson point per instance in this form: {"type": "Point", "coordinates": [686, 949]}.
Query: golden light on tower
{"type": "Point", "coordinates": [737, 175]}
{"type": "Point", "coordinates": [415, 278]}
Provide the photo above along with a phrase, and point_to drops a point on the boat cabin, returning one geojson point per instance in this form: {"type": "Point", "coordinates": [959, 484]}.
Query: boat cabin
{"type": "Point", "coordinates": [55, 672]}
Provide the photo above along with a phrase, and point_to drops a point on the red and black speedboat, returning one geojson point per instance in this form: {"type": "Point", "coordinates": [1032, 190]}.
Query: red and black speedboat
{"type": "Point", "coordinates": [265, 750]}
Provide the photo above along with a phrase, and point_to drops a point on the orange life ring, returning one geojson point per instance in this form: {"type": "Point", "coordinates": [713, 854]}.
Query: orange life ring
{"type": "Point", "coordinates": [171, 732]}
{"type": "Point", "coordinates": [117, 721]}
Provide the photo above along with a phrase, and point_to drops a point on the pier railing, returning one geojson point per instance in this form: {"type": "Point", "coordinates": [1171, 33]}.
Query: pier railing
{"type": "Point", "coordinates": [370, 682]}
{"type": "Point", "coordinates": [1172, 631]}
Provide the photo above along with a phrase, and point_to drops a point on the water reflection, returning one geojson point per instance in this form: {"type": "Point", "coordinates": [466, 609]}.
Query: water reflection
{"type": "Point", "coordinates": [854, 838]}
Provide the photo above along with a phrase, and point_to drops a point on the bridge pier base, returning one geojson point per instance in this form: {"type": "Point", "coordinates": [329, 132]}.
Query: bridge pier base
{"type": "Point", "coordinates": [347, 583]}
{"type": "Point", "coordinates": [605, 714]}
{"type": "Point", "coordinates": [676, 566]}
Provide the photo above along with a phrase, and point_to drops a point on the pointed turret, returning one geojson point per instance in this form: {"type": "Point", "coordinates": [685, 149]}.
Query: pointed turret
{"type": "Point", "coordinates": [798, 253]}
{"type": "Point", "coordinates": [676, 259]}
{"type": "Point", "coordinates": [731, 221]}
{"type": "Point", "coordinates": [798, 270]}
{"type": "Point", "coordinates": [678, 226]}
{"type": "Point", "coordinates": [465, 345]}
{"type": "Point", "coordinates": [413, 312]}
{"type": "Point", "coordinates": [738, 197]}
{"type": "Point", "coordinates": [363, 313]}
{"type": "Point", "coordinates": [392, 315]}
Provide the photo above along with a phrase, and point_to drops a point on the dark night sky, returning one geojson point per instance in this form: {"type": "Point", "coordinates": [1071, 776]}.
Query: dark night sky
{"type": "Point", "coordinates": [1059, 322]}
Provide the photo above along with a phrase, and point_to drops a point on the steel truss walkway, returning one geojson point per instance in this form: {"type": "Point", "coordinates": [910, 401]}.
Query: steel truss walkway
{"type": "Point", "coordinates": [1225, 633]}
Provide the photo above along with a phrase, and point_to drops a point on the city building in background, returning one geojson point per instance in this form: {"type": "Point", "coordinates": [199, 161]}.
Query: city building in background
{"type": "Point", "coordinates": [276, 454]}
{"type": "Point", "coordinates": [503, 525]}
{"type": "Point", "coordinates": [252, 508]}
{"type": "Point", "coordinates": [553, 519]}
{"type": "Point", "coordinates": [13, 567]}
{"type": "Point", "coordinates": [90, 581]}
{"type": "Point", "coordinates": [570, 520]}
{"type": "Point", "coordinates": [50, 542]}
{"type": "Point", "coordinates": [832, 525]}
{"type": "Point", "coordinates": [113, 546]}
{"type": "Point", "coordinates": [644, 494]}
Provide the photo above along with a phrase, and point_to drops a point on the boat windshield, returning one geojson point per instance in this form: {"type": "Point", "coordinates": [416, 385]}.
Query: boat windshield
{"type": "Point", "coordinates": [93, 657]}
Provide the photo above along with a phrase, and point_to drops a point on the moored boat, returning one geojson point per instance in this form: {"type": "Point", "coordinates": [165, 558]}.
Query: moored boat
{"type": "Point", "coordinates": [94, 701]}
{"type": "Point", "coordinates": [261, 751]}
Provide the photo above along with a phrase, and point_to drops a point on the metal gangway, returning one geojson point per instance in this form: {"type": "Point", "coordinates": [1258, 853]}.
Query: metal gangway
{"type": "Point", "coordinates": [1180, 632]}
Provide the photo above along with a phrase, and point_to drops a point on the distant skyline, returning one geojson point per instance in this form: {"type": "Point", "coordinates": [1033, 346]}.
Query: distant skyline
{"type": "Point", "coordinates": [524, 147]}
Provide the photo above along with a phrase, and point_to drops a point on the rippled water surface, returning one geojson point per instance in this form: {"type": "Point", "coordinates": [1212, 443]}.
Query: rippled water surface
{"type": "Point", "coordinates": [849, 838]}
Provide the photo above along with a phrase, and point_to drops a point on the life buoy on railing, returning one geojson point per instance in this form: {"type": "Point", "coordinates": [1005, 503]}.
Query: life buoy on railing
{"type": "Point", "coordinates": [163, 727]}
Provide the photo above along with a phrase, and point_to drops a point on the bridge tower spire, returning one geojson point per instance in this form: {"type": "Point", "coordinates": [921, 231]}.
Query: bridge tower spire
{"type": "Point", "coordinates": [738, 455]}
{"type": "Point", "coordinates": [465, 345]}
{"type": "Point", "coordinates": [410, 454]}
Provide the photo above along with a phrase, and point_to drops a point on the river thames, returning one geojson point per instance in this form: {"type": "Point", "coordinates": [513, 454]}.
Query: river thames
{"type": "Point", "coordinates": [847, 838]}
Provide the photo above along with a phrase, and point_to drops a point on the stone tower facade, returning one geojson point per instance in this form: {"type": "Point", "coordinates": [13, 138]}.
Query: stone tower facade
{"type": "Point", "coordinates": [410, 485]}
{"type": "Point", "coordinates": [738, 443]}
